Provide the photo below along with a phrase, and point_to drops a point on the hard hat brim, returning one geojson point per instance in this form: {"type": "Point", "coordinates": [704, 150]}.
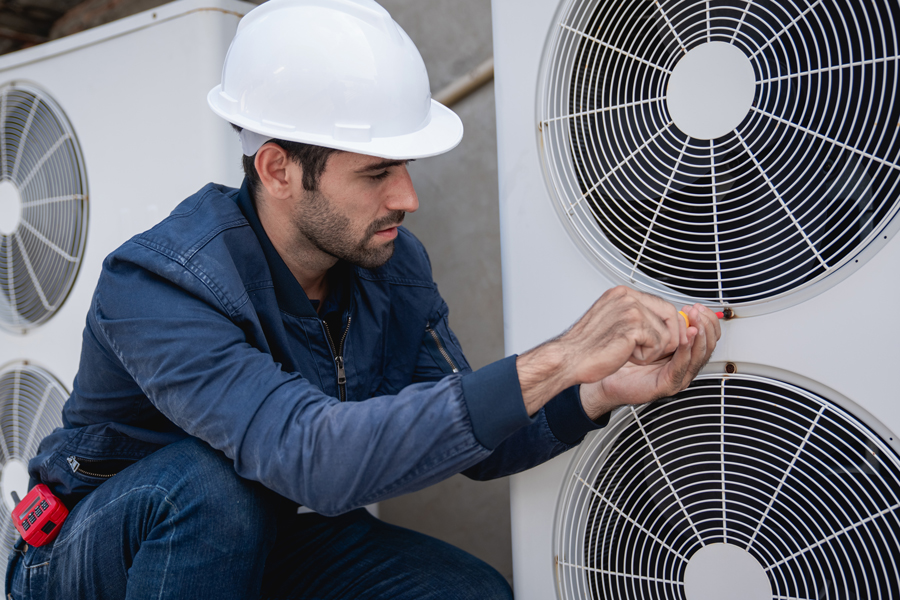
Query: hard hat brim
{"type": "Point", "coordinates": [441, 132]}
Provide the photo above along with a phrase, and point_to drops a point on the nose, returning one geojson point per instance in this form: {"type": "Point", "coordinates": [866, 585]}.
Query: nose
{"type": "Point", "coordinates": [402, 194]}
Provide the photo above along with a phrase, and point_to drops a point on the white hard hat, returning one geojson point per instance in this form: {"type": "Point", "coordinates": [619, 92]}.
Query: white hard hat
{"type": "Point", "coordinates": [334, 73]}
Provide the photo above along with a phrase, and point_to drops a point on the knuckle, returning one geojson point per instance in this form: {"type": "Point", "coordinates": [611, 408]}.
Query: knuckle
{"type": "Point", "coordinates": [632, 312]}
{"type": "Point", "coordinates": [617, 293]}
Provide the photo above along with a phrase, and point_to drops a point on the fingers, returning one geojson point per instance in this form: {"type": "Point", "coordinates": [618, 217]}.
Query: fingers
{"type": "Point", "coordinates": [700, 352]}
{"type": "Point", "coordinates": [701, 314]}
{"type": "Point", "coordinates": [705, 331]}
{"type": "Point", "coordinates": [700, 337]}
{"type": "Point", "coordinates": [663, 329]}
{"type": "Point", "coordinates": [667, 313]}
{"type": "Point", "coordinates": [708, 326]}
{"type": "Point", "coordinates": [626, 325]}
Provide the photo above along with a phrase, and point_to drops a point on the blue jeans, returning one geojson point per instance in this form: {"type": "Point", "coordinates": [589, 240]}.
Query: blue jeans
{"type": "Point", "coordinates": [181, 524]}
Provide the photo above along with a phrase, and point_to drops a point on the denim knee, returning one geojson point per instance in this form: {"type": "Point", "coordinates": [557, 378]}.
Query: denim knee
{"type": "Point", "coordinates": [356, 555]}
{"type": "Point", "coordinates": [178, 523]}
{"type": "Point", "coordinates": [478, 582]}
{"type": "Point", "coordinates": [201, 482]}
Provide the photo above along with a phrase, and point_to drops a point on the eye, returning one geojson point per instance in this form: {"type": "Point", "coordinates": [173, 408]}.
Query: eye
{"type": "Point", "coordinates": [380, 176]}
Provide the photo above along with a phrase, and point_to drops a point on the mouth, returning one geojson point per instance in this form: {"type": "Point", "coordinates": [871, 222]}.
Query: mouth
{"type": "Point", "coordinates": [386, 228]}
{"type": "Point", "coordinates": [387, 233]}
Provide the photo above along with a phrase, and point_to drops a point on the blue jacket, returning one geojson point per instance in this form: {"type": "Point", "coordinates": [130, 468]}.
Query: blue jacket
{"type": "Point", "coordinates": [198, 328]}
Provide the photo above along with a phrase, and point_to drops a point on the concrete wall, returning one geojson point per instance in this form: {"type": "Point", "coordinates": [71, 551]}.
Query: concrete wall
{"type": "Point", "coordinates": [458, 220]}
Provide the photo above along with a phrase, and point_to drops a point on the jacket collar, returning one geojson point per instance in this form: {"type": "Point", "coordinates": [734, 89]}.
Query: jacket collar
{"type": "Point", "coordinates": [289, 293]}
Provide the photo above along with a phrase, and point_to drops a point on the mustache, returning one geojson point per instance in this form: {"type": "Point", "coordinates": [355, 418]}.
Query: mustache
{"type": "Point", "coordinates": [392, 219]}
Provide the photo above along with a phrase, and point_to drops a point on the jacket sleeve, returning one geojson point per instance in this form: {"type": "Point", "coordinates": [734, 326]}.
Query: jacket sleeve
{"type": "Point", "coordinates": [559, 426]}
{"type": "Point", "coordinates": [194, 363]}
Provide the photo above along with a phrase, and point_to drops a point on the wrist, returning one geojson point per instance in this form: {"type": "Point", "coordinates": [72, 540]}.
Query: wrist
{"type": "Point", "coordinates": [595, 402]}
{"type": "Point", "coordinates": [566, 417]}
{"type": "Point", "coordinates": [542, 375]}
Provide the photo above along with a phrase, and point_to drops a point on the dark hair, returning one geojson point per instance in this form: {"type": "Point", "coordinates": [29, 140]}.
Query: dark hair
{"type": "Point", "coordinates": [312, 159]}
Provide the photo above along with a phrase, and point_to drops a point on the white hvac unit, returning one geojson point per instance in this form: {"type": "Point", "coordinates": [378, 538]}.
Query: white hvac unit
{"type": "Point", "coordinates": [743, 154]}
{"type": "Point", "coordinates": [101, 134]}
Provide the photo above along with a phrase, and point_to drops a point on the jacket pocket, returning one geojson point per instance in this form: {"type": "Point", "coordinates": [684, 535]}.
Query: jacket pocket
{"type": "Point", "coordinates": [100, 468]}
{"type": "Point", "coordinates": [28, 571]}
{"type": "Point", "coordinates": [438, 350]}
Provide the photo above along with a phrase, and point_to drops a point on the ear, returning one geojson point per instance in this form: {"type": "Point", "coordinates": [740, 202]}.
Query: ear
{"type": "Point", "coordinates": [277, 172]}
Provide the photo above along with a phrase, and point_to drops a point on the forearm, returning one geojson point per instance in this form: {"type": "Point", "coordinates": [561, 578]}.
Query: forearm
{"type": "Point", "coordinates": [334, 457]}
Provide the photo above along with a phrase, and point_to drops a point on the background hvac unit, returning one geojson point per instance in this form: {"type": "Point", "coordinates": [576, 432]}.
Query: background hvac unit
{"type": "Point", "coordinates": [743, 154]}
{"type": "Point", "coordinates": [101, 135]}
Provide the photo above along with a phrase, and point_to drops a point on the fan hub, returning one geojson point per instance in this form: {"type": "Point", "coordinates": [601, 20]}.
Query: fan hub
{"type": "Point", "coordinates": [14, 477]}
{"type": "Point", "coordinates": [10, 207]}
{"type": "Point", "coordinates": [711, 90]}
{"type": "Point", "coordinates": [719, 571]}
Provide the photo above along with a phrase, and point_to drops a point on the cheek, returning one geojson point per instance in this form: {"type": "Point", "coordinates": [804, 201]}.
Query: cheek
{"type": "Point", "coordinates": [357, 207]}
{"type": "Point", "coordinates": [364, 222]}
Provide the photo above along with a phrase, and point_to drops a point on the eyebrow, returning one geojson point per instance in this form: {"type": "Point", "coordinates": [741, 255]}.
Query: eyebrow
{"type": "Point", "coordinates": [384, 164]}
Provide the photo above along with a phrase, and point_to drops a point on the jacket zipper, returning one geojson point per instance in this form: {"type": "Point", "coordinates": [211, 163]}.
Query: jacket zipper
{"type": "Point", "coordinates": [339, 358]}
{"type": "Point", "coordinates": [441, 349]}
{"type": "Point", "coordinates": [77, 467]}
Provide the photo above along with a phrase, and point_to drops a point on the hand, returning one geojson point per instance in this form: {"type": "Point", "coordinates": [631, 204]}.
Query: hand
{"type": "Point", "coordinates": [623, 326]}
{"type": "Point", "coordinates": [640, 383]}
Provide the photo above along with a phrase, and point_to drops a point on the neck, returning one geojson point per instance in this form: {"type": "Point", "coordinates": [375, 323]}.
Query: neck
{"type": "Point", "coordinates": [308, 264]}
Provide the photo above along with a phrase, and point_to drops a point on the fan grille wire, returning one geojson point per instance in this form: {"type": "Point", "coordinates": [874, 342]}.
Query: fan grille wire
{"type": "Point", "coordinates": [31, 402]}
{"type": "Point", "coordinates": [803, 486]}
{"type": "Point", "coordinates": [41, 157]}
{"type": "Point", "coordinates": [805, 182]}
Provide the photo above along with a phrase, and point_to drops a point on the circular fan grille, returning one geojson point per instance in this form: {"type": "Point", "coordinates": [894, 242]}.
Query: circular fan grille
{"type": "Point", "coordinates": [31, 402]}
{"type": "Point", "coordinates": [776, 481]}
{"type": "Point", "coordinates": [730, 151]}
{"type": "Point", "coordinates": [43, 207]}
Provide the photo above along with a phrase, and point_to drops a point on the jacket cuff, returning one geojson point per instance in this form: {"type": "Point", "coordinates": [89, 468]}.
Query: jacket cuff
{"type": "Point", "coordinates": [567, 419]}
{"type": "Point", "coordinates": [494, 399]}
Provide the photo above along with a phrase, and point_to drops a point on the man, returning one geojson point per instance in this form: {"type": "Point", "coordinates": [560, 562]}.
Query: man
{"type": "Point", "coordinates": [284, 345]}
